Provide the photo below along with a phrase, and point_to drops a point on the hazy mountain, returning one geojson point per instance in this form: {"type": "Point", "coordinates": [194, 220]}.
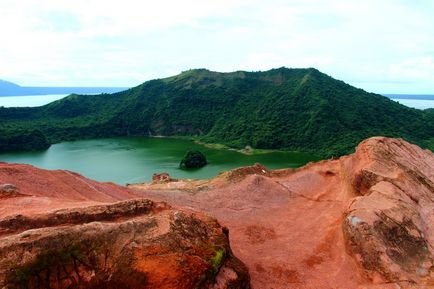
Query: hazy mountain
{"type": "Point", "coordinates": [8, 88]}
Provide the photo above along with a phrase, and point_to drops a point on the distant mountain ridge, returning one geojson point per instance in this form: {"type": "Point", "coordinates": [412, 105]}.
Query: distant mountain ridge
{"type": "Point", "coordinates": [291, 109]}
{"type": "Point", "coordinates": [4, 84]}
{"type": "Point", "coordinates": [8, 88]}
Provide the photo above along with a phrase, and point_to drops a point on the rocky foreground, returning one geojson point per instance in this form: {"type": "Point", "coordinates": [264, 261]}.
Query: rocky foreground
{"type": "Point", "coordinates": [362, 221]}
{"type": "Point", "coordinates": [61, 230]}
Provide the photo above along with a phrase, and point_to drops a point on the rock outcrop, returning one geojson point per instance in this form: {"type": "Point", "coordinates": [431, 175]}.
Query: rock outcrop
{"type": "Point", "coordinates": [38, 190]}
{"type": "Point", "coordinates": [8, 191]}
{"type": "Point", "coordinates": [90, 239]}
{"type": "Point", "coordinates": [389, 226]}
{"type": "Point", "coordinates": [162, 178]}
{"type": "Point", "coordinates": [362, 221]}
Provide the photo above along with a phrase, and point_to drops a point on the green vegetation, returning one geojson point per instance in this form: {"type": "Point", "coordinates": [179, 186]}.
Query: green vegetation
{"type": "Point", "coordinates": [21, 139]}
{"type": "Point", "coordinates": [218, 259]}
{"type": "Point", "coordinates": [193, 159]}
{"type": "Point", "coordinates": [288, 109]}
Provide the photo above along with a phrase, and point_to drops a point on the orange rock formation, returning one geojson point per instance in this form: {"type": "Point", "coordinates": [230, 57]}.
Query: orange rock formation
{"type": "Point", "coordinates": [61, 230]}
{"type": "Point", "coordinates": [362, 221]}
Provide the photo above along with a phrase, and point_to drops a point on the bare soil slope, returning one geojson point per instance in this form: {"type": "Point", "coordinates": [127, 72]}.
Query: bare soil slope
{"type": "Point", "coordinates": [362, 221]}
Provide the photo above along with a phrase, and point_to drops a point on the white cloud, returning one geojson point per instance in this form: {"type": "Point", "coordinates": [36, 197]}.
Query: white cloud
{"type": "Point", "coordinates": [414, 68]}
{"type": "Point", "coordinates": [95, 42]}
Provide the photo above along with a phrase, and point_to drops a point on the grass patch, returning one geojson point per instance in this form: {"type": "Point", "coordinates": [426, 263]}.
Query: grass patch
{"type": "Point", "coordinates": [218, 259]}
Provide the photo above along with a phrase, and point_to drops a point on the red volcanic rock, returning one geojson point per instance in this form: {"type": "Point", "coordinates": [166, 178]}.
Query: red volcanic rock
{"type": "Point", "coordinates": [130, 244]}
{"type": "Point", "coordinates": [162, 178]}
{"type": "Point", "coordinates": [73, 234]}
{"type": "Point", "coordinates": [389, 226]}
{"type": "Point", "coordinates": [9, 191]}
{"type": "Point", "coordinates": [240, 173]}
{"type": "Point", "coordinates": [44, 190]}
{"type": "Point", "coordinates": [362, 221]}
{"type": "Point", "coordinates": [60, 184]}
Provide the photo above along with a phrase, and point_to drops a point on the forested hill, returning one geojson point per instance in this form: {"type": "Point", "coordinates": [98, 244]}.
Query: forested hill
{"type": "Point", "coordinates": [294, 109]}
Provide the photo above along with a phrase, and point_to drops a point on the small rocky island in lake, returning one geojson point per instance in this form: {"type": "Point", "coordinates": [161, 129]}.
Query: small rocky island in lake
{"type": "Point", "coordinates": [193, 159]}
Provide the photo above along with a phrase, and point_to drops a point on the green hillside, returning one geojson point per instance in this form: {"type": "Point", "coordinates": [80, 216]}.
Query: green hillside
{"type": "Point", "coordinates": [294, 109]}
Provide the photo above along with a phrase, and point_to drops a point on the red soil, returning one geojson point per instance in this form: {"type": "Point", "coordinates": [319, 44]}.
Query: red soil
{"type": "Point", "coordinates": [61, 230]}
{"type": "Point", "coordinates": [362, 221]}
{"type": "Point", "coordinates": [44, 190]}
{"type": "Point", "coordinates": [290, 227]}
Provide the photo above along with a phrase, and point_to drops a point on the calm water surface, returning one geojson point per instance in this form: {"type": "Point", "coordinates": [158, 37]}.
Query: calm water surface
{"type": "Point", "coordinates": [416, 103]}
{"type": "Point", "coordinates": [134, 159]}
{"type": "Point", "coordinates": [29, 100]}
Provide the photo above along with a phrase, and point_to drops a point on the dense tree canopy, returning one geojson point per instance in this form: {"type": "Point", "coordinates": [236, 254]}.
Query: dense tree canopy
{"type": "Point", "coordinates": [16, 140]}
{"type": "Point", "coordinates": [294, 109]}
{"type": "Point", "coordinates": [193, 160]}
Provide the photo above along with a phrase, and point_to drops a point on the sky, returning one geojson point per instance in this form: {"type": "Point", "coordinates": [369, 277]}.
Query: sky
{"type": "Point", "coordinates": [382, 46]}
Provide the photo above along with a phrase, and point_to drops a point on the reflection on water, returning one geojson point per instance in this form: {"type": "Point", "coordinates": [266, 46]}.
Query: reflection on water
{"type": "Point", "coordinates": [134, 159]}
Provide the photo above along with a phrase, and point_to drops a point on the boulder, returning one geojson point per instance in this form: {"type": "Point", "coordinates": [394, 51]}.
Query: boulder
{"type": "Point", "coordinates": [8, 190]}
{"type": "Point", "coordinates": [129, 244]}
{"type": "Point", "coordinates": [161, 178]}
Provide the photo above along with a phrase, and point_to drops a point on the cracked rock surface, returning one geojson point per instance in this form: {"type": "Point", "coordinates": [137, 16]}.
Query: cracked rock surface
{"type": "Point", "coordinates": [362, 221]}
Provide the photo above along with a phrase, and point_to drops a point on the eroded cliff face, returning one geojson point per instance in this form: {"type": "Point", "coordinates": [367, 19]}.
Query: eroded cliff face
{"type": "Point", "coordinates": [362, 221]}
{"type": "Point", "coordinates": [82, 236]}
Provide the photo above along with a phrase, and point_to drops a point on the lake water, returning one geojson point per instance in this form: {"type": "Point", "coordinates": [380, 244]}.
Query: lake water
{"type": "Point", "coordinates": [416, 103]}
{"type": "Point", "coordinates": [420, 101]}
{"type": "Point", "coordinates": [134, 159]}
{"type": "Point", "coordinates": [29, 100]}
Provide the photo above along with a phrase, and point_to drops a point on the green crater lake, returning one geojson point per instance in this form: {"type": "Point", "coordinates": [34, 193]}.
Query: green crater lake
{"type": "Point", "coordinates": [134, 159]}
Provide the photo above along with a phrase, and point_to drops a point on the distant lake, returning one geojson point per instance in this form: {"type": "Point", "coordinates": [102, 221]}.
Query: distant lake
{"type": "Point", "coordinates": [29, 100]}
{"type": "Point", "coordinates": [420, 101]}
{"type": "Point", "coordinates": [416, 101]}
{"type": "Point", "coordinates": [134, 159]}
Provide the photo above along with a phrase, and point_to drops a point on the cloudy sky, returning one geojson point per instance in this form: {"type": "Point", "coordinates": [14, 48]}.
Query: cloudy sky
{"type": "Point", "coordinates": [383, 46]}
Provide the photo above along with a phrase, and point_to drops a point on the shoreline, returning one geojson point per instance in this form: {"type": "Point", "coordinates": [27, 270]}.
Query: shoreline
{"type": "Point", "coordinates": [248, 150]}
